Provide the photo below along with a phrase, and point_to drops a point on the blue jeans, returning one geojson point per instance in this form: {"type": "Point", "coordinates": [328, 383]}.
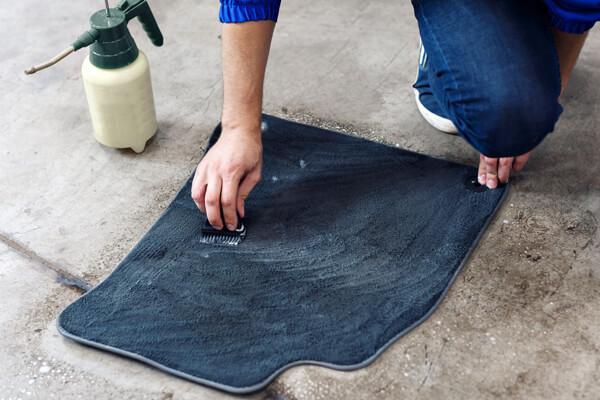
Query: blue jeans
{"type": "Point", "coordinates": [493, 68]}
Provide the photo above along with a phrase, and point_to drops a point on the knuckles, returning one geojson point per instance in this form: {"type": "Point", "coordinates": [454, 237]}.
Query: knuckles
{"type": "Point", "coordinates": [231, 170]}
{"type": "Point", "coordinates": [226, 203]}
{"type": "Point", "coordinates": [214, 221]}
{"type": "Point", "coordinates": [196, 195]}
{"type": "Point", "coordinates": [212, 202]}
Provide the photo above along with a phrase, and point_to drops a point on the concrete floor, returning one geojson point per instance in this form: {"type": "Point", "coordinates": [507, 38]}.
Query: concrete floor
{"type": "Point", "coordinates": [521, 322]}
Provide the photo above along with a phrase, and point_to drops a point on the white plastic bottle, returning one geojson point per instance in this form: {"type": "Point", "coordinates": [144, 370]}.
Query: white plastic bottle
{"type": "Point", "coordinates": [121, 103]}
{"type": "Point", "coordinates": [116, 75]}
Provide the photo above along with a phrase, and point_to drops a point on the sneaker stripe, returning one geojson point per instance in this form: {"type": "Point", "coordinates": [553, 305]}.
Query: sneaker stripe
{"type": "Point", "coordinates": [437, 121]}
{"type": "Point", "coordinates": [422, 56]}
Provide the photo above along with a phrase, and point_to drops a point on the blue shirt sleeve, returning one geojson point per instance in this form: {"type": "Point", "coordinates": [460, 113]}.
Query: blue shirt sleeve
{"type": "Point", "coordinates": [574, 16]}
{"type": "Point", "coordinates": [248, 10]}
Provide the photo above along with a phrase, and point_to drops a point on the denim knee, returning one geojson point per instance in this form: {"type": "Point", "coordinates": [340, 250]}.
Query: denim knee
{"type": "Point", "coordinates": [508, 121]}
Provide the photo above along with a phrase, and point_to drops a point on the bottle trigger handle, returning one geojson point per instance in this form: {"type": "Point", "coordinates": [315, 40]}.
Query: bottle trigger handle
{"type": "Point", "coordinates": [141, 10]}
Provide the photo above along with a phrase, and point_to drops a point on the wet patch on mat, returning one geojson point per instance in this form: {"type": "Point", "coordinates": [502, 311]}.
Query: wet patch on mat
{"type": "Point", "coordinates": [350, 245]}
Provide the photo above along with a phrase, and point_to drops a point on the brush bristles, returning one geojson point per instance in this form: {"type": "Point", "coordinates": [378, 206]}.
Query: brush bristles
{"type": "Point", "coordinates": [223, 237]}
{"type": "Point", "coordinates": [217, 239]}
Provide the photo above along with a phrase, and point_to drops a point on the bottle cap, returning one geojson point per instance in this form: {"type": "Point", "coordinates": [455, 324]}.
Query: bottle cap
{"type": "Point", "coordinates": [114, 47]}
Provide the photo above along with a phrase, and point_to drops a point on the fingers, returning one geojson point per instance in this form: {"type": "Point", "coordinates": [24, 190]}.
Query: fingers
{"type": "Point", "coordinates": [481, 172]}
{"type": "Point", "coordinates": [491, 172]}
{"type": "Point", "coordinates": [217, 199]}
{"type": "Point", "coordinates": [221, 195]}
{"type": "Point", "coordinates": [229, 194]}
{"type": "Point", "coordinates": [246, 186]}
{"type": "Point", "coordinates": [504, 167]}
{"type": "Point", "coordinates": [199, 189]}
{"type": "Point", "coordinates": [520, 162]}
{"type": "Point", "coordinates": [213, 202]}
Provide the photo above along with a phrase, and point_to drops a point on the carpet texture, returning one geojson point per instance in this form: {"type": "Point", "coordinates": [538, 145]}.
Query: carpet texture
{"type": "Point", "coordinates": [350, 245]}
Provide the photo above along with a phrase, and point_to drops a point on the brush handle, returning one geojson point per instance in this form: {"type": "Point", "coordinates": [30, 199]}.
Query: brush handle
{"type": "Point", "coordinates": [208, 228]}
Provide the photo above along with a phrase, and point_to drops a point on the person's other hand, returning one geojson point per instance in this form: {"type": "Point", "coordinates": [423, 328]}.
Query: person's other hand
{"type": "Point", "coordinates": [493, 171]}
{"type": "Point", "coordinates": [226, 175]}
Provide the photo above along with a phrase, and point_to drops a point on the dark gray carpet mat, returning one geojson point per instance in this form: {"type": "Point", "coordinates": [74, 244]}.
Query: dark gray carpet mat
{"type": "Point", "coordinates": [350, 245]}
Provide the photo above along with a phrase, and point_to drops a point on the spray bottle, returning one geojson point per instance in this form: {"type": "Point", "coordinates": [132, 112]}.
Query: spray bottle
{"type": "Point", "coordinates": [116, 75]}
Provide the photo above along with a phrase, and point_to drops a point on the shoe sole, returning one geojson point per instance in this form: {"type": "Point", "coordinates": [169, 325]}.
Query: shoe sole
{"type": "Point", "coordinates": [439, 123]}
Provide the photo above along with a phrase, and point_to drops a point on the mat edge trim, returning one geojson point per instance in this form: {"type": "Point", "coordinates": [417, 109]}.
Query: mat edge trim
{"type": "Point", "coordinates": [262, 384]}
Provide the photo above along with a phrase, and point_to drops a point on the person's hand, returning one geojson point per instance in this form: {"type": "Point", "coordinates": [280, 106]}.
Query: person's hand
{"type": "Point", "coordinates": [226, 175]}
{"type": "Point", "coordinates": [495, 170]}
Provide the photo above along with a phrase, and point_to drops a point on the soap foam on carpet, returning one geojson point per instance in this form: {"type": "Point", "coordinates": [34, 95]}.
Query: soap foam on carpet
{"type": "Point", "coordinates": [350, 244]}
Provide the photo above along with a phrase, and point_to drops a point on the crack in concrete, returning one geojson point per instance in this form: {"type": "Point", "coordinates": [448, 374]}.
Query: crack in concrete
{"type": "Point", "coordinates": [59, 274]}
{"type": "Point", "coordinates": [430, 363]}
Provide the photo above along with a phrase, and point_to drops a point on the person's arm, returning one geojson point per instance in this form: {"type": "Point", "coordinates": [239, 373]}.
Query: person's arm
{"type": "Point", "coordinates": [568, 47]}
{"type": "Point", "coordinates": [571, 20]}
{"type": "Point", "coordinates": [232, 167]}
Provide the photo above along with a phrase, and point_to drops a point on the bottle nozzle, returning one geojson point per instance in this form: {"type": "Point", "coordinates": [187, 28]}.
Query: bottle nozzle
{"type": "Point", "coordinates": [86, 39]}
{"type": "Point", "coordinates": [50, 62]}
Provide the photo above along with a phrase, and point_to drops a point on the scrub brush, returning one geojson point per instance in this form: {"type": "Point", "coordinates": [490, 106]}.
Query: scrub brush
{"type": "Point", "coordinates": [223, 236]}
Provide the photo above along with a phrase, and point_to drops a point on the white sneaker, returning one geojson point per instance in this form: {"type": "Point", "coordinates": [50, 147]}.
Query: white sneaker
{"type": "Point", "coordinates": [426, 102]}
